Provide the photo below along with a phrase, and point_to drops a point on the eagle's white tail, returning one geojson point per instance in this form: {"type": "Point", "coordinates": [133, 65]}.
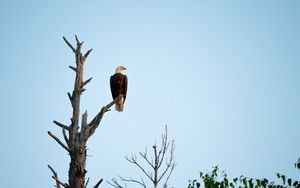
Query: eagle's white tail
{"type": "Point", "coordinates": [120, 105]}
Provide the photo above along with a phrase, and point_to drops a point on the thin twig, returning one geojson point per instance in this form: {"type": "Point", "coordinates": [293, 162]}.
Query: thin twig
{"type": "Point", "coordinates": [134, 161]}
{"type": "Point", "coordinates": [134, 181]}
{"type": "Point", "coordinates": [145, 157]}
{"type": "Point", "coordinates": [164, 147]}
{"type": "Point", "coordinates": [169, 163]}
{"type": "Point", "coordinates": [60, 182]}
{"type": "Point", "coordinates": [115, 183]}
{"type": "Point", "coordinates": [167, 179]}
{"type": "Point", "coordinates": [87, 182]}
{"type": "Point", "coordinates": [55, 175]}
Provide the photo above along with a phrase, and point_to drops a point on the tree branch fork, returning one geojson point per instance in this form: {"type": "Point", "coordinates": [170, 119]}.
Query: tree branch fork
{"type": "Point", "coordinates": [164, 153]}
{"type": "Point", "coordinates": [86, 130]}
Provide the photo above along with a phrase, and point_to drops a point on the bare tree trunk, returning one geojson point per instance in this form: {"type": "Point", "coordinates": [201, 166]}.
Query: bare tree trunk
{"type": "Point", "coordinates": [76, 139]}
{"type": "Point", "coordinates": [155, 184]}
{"type": "Point", "coordinates": [78, 147]}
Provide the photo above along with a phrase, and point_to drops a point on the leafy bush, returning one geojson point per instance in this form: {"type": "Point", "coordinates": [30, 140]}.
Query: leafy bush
{"type": "Point", "coordinates": [215, 179]}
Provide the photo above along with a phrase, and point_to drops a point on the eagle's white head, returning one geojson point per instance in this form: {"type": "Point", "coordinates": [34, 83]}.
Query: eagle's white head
{"type": "Point", "coordinates": [120, 69]}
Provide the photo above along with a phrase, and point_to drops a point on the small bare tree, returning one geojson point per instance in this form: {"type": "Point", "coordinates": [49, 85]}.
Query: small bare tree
{"type": "Point", "coordinates": [75, 138]}
{"type": "Point", "coordinates": [164, 153]}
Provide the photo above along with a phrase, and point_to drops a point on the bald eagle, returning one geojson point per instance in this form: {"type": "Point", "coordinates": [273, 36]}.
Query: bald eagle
{"type": "Point", "coordinates": [118, 86]}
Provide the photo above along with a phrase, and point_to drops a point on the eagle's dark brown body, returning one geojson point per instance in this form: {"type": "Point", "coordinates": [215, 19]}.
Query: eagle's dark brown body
{"type": "Point", "coordinates": [118, 85]}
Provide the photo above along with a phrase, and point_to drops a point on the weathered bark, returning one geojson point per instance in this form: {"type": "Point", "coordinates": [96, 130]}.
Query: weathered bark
{"type": "Point", "coordinates": [77, 166]}
{"type": "Point", "coordinates": [76, 139]}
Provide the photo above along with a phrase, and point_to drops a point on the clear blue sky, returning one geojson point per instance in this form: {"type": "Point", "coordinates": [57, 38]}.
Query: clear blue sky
{"type": "Point", "coordinates": [223, 75]}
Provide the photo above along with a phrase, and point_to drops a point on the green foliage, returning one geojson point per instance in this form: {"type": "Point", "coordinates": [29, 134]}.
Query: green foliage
{"type": "Point", "coordinates": [297, 164]}
{"type": "Point", "coordinates": [214, 179]}
{"type": "Point", "coordinates": [193, 184]}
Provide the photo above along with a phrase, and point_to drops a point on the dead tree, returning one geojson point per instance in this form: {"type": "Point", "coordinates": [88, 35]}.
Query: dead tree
{"type": "Point", "coordinates": [75, 138]}
{"type": "Point", "coordinates": [164, 153]}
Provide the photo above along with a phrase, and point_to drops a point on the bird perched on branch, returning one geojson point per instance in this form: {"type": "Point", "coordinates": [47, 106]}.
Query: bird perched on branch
{"type": "Point", "coordinates": [118, 86]}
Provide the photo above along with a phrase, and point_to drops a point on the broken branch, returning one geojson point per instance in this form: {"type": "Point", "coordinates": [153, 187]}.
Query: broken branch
{"type": "Point", "coordinates": [99, 182]}
{"type": "Point", "coordinates": [70, 97]}
{"type": "Point", "coordinates": [73, 68]}
{"type": "Point", "coordinates": [70, 45]}
{"type": "Point", "coordinates": [78, 42]}
{"type": "Point", "coordinates": [142, 183]}
{"type": "Point", "coordinates": [59, 142]}
{"type": "Point", "coordinates": [60, 182]}
{"type": "Point", "coordinates": [65, 136]}
{"type": "Point", "coordinates": [55, 175]}
{"type": "Point", "coordinates": [87, 182]}
{"type": "Point", "coordinates": [83, 123]}
{"type": "Point", "coordinates": [87, 54]}
{"type": "Point", "coordinates": [87, 81]}
{"type": "Point", "coordinates": [61, 125]}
